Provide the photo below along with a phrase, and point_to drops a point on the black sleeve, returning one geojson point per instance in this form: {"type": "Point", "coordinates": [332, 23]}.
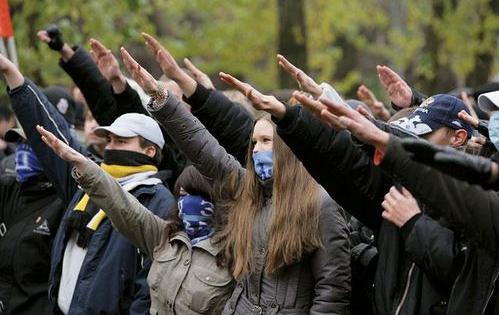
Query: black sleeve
{"type": "Point", "coordinates": [466, 206]}
{"type": "Point", "coordinates": [227, 121]}
{"type": "Point", "coordinates": [337, 163]}
{"type": "Point", "coordinates": [128, 101]}
{"type": "Point", "coordinates": [433, 247]}
{"type": "Point", "coordinates": [93, 85]}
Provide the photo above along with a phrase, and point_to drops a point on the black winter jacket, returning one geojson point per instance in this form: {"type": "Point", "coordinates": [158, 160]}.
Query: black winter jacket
{"type": "Point", "coordinates": [470, 208]}
{"type": "Point", "coordinates": [106, 106]}
{"type": "Point", "coordinates": [29, 216]}
{"type": "Point", "coordinates": [417, 266]}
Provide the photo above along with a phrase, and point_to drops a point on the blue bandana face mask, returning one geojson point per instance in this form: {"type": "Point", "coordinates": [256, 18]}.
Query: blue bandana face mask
{"type": "Point", "coordinates": [27, 164]}
{"type": "Point", "coordinates": [494, 129]}
{"type": "Point", "coordinates": [263, 164]}
{"type": "Point", "coordinates": [196, 214]}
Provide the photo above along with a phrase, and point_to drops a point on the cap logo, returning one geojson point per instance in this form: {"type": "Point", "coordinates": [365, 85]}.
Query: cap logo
{"type": "Point", "coordinates": [414, 125]}
{"type": "Point", "coordinates": [427, 102]}
{"type": "Point", "coordinates": [63, 106]}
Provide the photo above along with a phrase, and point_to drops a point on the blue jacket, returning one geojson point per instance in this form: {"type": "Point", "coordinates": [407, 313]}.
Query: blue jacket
{"type": "Point", "coordinates": [113, 276]}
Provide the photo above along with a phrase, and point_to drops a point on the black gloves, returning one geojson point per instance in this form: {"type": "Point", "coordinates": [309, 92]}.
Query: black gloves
{"type": "Point", "coordinates": [55, 35]}
{"type": "Point", "coordinates": [470, 168]}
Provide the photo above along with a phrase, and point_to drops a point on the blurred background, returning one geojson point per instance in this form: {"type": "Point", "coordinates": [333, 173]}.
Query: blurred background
{"type": "Point", "coordinates": [436, 45]}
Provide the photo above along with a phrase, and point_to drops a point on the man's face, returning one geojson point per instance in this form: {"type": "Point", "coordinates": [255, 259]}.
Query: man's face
{"type": "Point", "coordinates": [440, 136]}
{"type": "Point", "coordinates": [128, 144]}
{"type": "Point", "coordinates": [88, 130]}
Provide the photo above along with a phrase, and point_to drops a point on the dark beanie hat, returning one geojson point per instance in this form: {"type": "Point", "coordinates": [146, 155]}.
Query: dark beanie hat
{"type": "Point", "coordinates": [61, 98]}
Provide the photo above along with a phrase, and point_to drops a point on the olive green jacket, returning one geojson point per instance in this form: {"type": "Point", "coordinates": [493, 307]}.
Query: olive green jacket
{"type": "Point", "coordinates": [184, 278]}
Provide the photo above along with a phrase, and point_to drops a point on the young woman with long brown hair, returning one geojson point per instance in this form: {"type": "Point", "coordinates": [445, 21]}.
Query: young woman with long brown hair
{"type": "Point", "coordinates": [285, 239]}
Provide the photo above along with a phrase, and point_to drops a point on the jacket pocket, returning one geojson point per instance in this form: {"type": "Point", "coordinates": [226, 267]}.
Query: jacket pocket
{"type": "Point", "coordinates": [209, 290]}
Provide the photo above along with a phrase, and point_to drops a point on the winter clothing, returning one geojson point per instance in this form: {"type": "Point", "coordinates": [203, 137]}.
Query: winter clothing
{"type": "Point", "coordinates": [111, 261]}
{"type": "Point", "coordinates": [319, 283]}
{"type": "Point", "coordinates": [471, 209]}
{"type": "Point", "coordinates": [418, 271]}
{"type": "Point", "coordinates": [346, 172]}
{"type": "Point", "coordinates": [184, 278]}
{"type": "Point", "coordinates": [228, 122]}
{"type": "Point", "coordinates": [106, 106]}
{"type": "Point", "coordinates": [29, 216]}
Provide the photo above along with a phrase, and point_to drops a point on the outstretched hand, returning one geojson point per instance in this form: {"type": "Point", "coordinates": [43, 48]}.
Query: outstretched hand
{"type": "Point", "coordinates": [259, 101]}
{"type": "Point", "coordinates": [143, 78]}
{"type": "Point", "coordinates": [398, 90]}
{"type": "Point", "coordinates": [341, 117]}
{"type": "Point", "coordinates": [63, 150]}
{"type": "Point", "coordinates": [305, 82]}
{"type": "Point", "coordinates": [198, 75]}
{"type": "Point", "coordinates": [378, 108]}
{"type": "Point", "coordinates": [169, 66]}
{"type": "Point", "coordinates": [108, 65]}
{"type": "Point", "coordinates": [400, 206]}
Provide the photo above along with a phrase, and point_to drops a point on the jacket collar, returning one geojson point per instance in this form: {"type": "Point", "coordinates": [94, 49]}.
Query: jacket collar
{"type": "Point", "coordinates": [207, 245]}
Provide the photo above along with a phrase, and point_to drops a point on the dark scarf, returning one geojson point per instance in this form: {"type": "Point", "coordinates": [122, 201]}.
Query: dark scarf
{"type": "Point", "coordinates": [86, 217]}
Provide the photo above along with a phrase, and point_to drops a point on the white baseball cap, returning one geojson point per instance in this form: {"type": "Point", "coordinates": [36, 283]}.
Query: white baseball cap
{"type": "Point", "coordinates": [489, 102]}
{"type": "Point", "coordinates": [132, 125]}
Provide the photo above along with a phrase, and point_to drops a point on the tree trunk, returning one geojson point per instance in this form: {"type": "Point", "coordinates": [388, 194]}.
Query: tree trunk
{"type": "Point", "coordinates": [483, 61]}
{"type": "Point", "coordinates": [292, 37]}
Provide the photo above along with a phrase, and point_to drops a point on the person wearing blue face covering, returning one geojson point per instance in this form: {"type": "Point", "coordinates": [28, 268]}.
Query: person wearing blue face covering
{"type": "Point", "coordinates": [186, 276]}
{"type": "Point", "coordinates": [263, 164]}
{"type": "Point", "coordinates": [30, 213]}
{"type": "Point", "coordinates": [27, 164]}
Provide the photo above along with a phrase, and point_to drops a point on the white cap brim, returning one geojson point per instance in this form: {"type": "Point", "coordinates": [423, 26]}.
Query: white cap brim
{"type": "Point", "coordinates": [489, 102]}
{"type": "Point", "coordinates": [117, 131]}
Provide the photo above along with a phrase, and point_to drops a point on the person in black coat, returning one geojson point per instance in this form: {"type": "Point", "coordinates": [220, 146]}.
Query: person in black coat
{"type": "Point", "coordinates": [30, 213]}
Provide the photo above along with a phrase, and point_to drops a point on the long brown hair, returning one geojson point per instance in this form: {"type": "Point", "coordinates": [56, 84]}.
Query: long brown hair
{"type": "Point", "coordinates": [294, 225]}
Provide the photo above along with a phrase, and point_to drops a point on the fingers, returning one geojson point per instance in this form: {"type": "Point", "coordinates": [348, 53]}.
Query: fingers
{"type": "Point", "coordinates": [43, 36]}
{"type": "Point", "coordinates": [93, 56]}
{"type": "Point", "coordinates": [47, 137]}
{"type": "Point", "coordinates": [287, 66]}
{"type": "Point", "coordinates": [313, 105]}
{"type": "Point", "coordinates": [332, 120]}
{"type": "Point", "coordinates": [98, 48]}
{"type": "Point", "coordinates": [338, 109]}
{"type": "Point", "coordinates": [128, 60]}
{"type": "Point", "coordinates": [361, 110]}
{"type": "Point", "coordinates": [152, 43]}
{"type": "Point", "coordinates": [244, 88]}
{"type": "Point", "coordinates": [387, 75]}
{"type": "Point", "coordinates": [192, 68]}
{"type": "Point", "coordinates": [468, 118]}
{"type": "Point", "coordinates": [406, 193]}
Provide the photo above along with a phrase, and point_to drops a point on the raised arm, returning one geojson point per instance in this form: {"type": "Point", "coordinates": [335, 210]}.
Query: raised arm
{"type": "Point", "coordinates": [104, 87]}
{"type": "Point", "coordinates": [445, 195]}
{"type": "Point", "coordinates": [190, 136]}
{"type": "Point", "coordinates": [227, 121]}
{"type": "Point", "coordinates": [127, 214]}
{"type": "Point", "coordinates": [32, 107]}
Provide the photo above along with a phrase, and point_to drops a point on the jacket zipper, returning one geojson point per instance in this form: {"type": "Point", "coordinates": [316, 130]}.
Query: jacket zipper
{"type": "Point", "coordinates": [406, 290]}
{"type": "Point", "coordinates": [491, 292]}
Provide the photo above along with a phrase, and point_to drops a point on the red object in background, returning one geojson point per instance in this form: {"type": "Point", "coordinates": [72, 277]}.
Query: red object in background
{"type": "Point", "coordinates": [6, 30]}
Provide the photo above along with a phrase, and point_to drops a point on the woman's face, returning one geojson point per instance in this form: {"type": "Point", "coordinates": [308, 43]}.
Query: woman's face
{"type": "Point", "coordinates": [263, 136]}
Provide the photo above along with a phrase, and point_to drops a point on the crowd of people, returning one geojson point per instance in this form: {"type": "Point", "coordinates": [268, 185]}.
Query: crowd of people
{"type": "Point", "coordinates": [137, 195]}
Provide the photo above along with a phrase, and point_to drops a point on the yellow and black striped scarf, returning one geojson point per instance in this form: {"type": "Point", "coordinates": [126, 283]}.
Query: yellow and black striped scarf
{"type": "Point", "coordinates": [87, 217]}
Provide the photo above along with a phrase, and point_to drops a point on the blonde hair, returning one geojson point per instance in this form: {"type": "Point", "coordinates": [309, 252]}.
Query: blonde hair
{"type": "Point", "coordinates": [294, 225]}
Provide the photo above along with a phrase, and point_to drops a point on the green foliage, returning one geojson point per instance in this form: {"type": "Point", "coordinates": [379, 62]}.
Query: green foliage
{"type": "Point", "coordinates": [240, 36]}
